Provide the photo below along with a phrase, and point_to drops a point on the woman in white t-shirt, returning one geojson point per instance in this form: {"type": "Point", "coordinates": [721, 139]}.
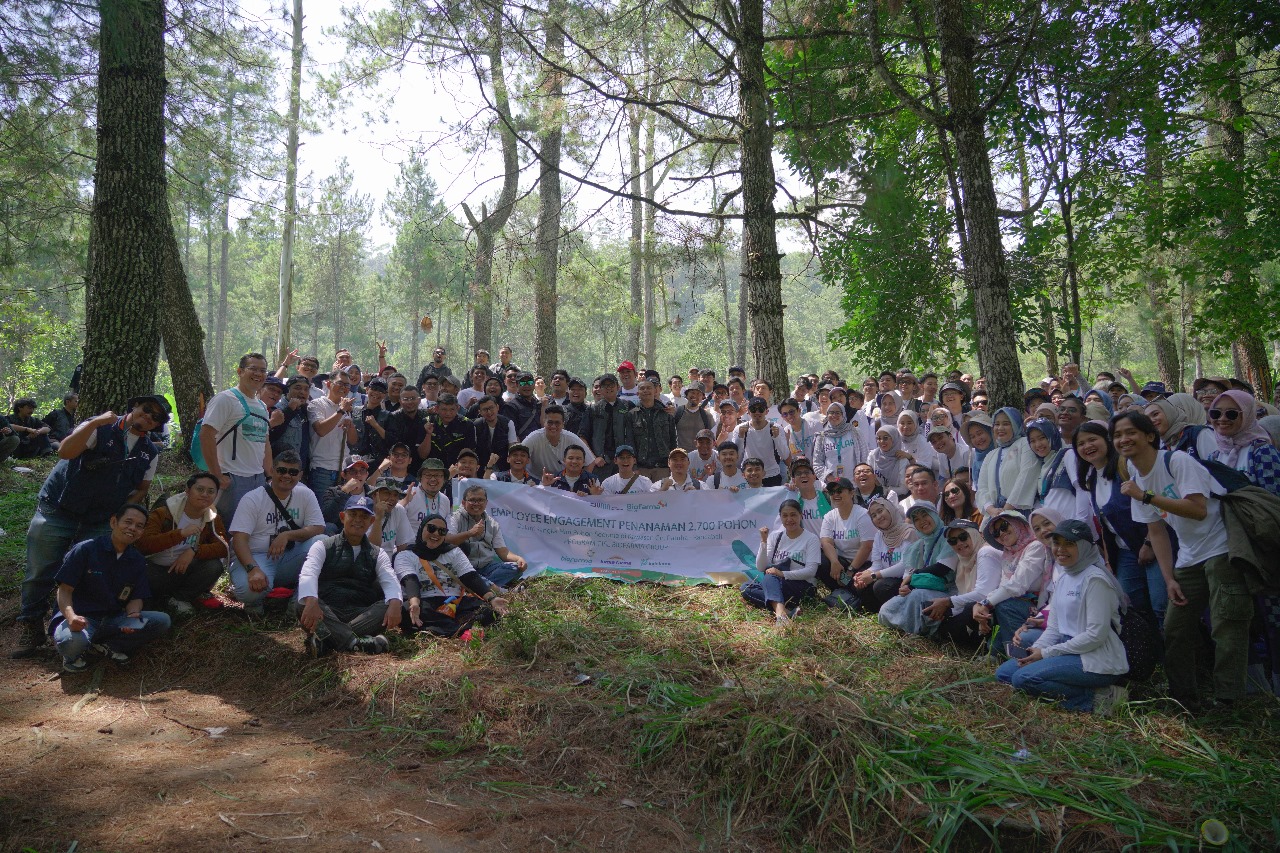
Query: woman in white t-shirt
{"type": "Point", "coordinates": [846, 536]}
{"type": "Point", "coordinates": [1170, 488]}
{"type": "Point", "coordinates": [788, 559]}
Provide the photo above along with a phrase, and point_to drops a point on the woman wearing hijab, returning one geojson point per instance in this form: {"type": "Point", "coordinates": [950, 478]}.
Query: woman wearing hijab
{"type": "Point", "coordinates": [1079, 657]}
{"type": "Point", "coordinates": [1043, 523]}
{"type": "Point", "coordinates": [889, 460]}
{"type": "Point", "coordinates": [880, 582]}
{"type": "Point", "coordinates": [867, 486]}
{"type": "Point", "coordinates": [1053, 485]}
{"type": "Point", "coordinates": [1008, 479]}
{"type": "Point", "coordinates": [914, 442]}
{"type": "Point", "coordinates": [977, 575]}
{"type": "Point", "coordinates": [443, 593]}
{"type": "Point", "coordinates": [1182, 424]}
{"type": "Point", "coordinates": [928, 573]}
{"type": "Point", "coordinates": [838, 448]}
{"type": "Point", "coordinates": [1100, 396]}
{"type": "Point", "coordinates": [1022, 575]}
{"type": "Point", "coordinates": [977, 431]}
{"type": "Point", "coordinates": [888, 407]}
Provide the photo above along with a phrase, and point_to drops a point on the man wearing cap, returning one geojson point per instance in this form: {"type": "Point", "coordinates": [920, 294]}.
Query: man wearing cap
{"type": "Point", "coordinates": [271, 532]}
{"type": "Point", "coordinates": [495, 433]}
{"type": "Point", "coordinates": [450, 432]}
{"type": "Point", "coordinates": [347, 589]}
{"type": "Point", "coordinates": [627, 389]}
{"type": "Point", "coordinates": [609, 424]}
{"type": "Point", "coordinates": [653, 430]}
{"type": "Point", "coordinates": [106, 462]}
{"type": "Point", "coordinates": [757, 438]}
{"type": "Point", "coordinates": [233, 434]}
{"type": "Point", "coordinates": [951, 456]}
{"type": "Point", "coordinates": [692, 418]}
{"type": "Point", "coordinates": [409, 426]}
{"type": "Point", "coordinates": [391, 519]}
{"type": "Point", "coordinates": [704, 461]}
{"type": "Point", "coordinates": [436, 367]}
{"type": "Point", "coordinates": [517, 467]}
{"type": "Point", "coordinates": [355, 474]}
{"type": "Point", "coordinates": [679, 479]}
{"type": "Point", "coordinates": [1154, 391]}
{"type": "Point", "coordinates": [547, 446]}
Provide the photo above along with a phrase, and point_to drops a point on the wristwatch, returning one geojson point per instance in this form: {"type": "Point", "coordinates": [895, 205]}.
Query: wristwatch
{"type": "Point", "coordinates": [1148, 496]}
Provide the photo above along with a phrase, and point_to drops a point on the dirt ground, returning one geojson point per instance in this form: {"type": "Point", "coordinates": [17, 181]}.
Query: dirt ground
{"type": "Point", "coordinates": [154, 757]}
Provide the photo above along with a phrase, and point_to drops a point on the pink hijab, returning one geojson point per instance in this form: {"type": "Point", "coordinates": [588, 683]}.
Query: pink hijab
{"type": "Point", "coordinates": [1250, 434]}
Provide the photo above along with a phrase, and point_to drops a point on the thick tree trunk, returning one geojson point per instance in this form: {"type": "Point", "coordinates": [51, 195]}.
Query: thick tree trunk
{"type": "Point", "coordinates": [635, 321]}
{"type": "Point", "coordinates": [210, 297]}
{"type": "Point", "coordinates": [984, 262]}
{"type": "Point", "coordinates": [183, 342]}
{"type": "Point", "coordinates": [550, 203]}
{"type": "Point", "coordinates": [125, 284]}
{"type": "Point", "coordinates": [761, 267]}
{"type": "Point", "coordinates": [224, 285]}
{"type": "Point", "coordinates": [650, 247]}
{"type": "Point", "coordinates": [1154, 275]}
{"type": "Point", "coordinates": [284, 318]}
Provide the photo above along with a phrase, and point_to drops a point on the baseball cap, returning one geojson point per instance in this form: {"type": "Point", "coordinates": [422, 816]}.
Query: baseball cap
{"type": "Point", "coordinates": [705, 433]}
{"type": "Point", "coordinates": [627, 365]}
{"type": "Point", "coordinates": [434, 464]}
{"type": "Point", "coordinates": [624, 448]}
{"type": "Point", "coordinates": [377, 384]}
{"type": "Point", "coordinates": [842, 483]}
{"type": "Point", "coordinates": [385, 483]}
{"type": "Point", "coordinates": [358, 503]}
{"type": "Point", "coordinates": [354, 461]}
{"type": "Point", "coordinates": [274, 380]}
{"type": "Point", "coordinates": [1075, 530]}
{"type": "Point", "coordinates": [801, 463]}
{"type": "Point", "coordinates": [512, 448]}
{"type": "Point", "coordinates": [675, 451]}
{"type": "Point", "coordinates": [1157, 388]}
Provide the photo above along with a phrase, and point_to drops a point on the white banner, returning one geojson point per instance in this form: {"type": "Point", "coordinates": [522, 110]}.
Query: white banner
{"type": "Point", "coordinates": [709, 535]}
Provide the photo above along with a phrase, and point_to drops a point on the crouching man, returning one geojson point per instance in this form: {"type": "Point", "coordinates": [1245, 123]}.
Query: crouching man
{"type": "Point", "coordinates": [101, 585]}
{"type": "Point", "coordinates": [347, 588]}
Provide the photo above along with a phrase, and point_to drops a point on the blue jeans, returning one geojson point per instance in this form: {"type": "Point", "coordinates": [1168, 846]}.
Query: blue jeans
{"type": "Point", "coordinates": [320, 479]}
{"type": "Point", "coordinates": [503, 574]}
{"type": "Point", "coordinates": [49, 536]}
{"type": "Point", "coordinates": [1010, 615]}
{"type": "Point", "coordinates": [106, 631]}
{"type": "Point", "coordinates": [1143, 584]}
{"type": "Point", "coordinates": [229, 498]}
{"type": "Point", "coordinates": [1061, 677]}
{"type": "Point", "coordinates": [280, 571]}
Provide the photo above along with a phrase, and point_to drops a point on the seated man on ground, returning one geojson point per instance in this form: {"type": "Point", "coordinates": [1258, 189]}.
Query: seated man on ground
{"type": "Point", "coordinates": [101, 586]}
{"type": "Point", "coordinates": [272, 533]}
{"type": "Point", "coordinates": [185, 543]}
{"type": "Point", "coordinates": [347, 588]}
{"type": "Point", "coordinates": [480, 539]}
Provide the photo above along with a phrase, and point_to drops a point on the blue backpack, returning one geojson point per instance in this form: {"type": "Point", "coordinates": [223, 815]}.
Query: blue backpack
{"type": "Point", "coordinates": [197, 451]}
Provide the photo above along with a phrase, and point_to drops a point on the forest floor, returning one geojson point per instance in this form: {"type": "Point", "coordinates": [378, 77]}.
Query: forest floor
{"type": "Point", "coordinates": [597, 716]}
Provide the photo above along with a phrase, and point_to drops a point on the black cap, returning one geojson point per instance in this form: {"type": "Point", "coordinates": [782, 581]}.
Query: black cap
{"type": "Point", "coordinates": [160, 401]}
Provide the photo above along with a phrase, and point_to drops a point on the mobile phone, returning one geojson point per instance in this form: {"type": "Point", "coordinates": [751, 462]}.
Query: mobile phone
{"type": "Point", "coordinates": [136, 624]}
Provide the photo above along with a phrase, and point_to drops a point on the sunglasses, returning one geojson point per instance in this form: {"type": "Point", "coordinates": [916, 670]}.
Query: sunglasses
{"type": "Point", "coordinates": [435, 528]}
{"type": "Point", "coordinates": [1224, 414]}
{"type": "Point", "coordinates": [836, 490]}
{"type": "Point", "coordinates": [154, 414]}
{"type": "Point", "coordinates": [1000, 528]}
{"type": "Point", "coordinates": [526, 382]}
{"type": "Point", "coordinates": [953, 491]}
{"type": "Point", "coordinates": [289, 472]}
{"type": "Point", "coordinates": [956, 540]}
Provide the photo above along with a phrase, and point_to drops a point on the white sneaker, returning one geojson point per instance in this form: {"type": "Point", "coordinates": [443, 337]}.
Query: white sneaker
{"type": "Point", "coordinates": [178, 607]}
{"type": "Point", "coordinates": [1106, 700]}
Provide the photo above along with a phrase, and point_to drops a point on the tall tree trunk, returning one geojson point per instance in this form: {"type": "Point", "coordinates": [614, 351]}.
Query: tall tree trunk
{"type": "Point", "coordinates": [761, 262]}
{"type": "Point", "coordinates": [722, 282]}
{"type": "Point", "coordinates": [635, 320]}
{"type": "Point", "coordinates": [1066, 200]}
{"type": "Point", "coordinates": [489, 224]}
{"type": "Point", "coordinates": [984, 264]}
{"type": "Point", "coordinates": [183, 342]}
{"type": "Point", "coordinates": [650, 246]}
{"type": "Point", "coordinates": [1154, 274]}
{"type": "Point", "coordinates": [125, 284]}
{"type": "Point", "coordinates": [210, 295]}
{"type": "Point", "coordinates": [550, 139]}
{"type": "Point", "coordinates": [1049, 339]}
{"type": "Point", "coordinates": [224, 283]}
{"type": "Point", "coordinates": [284, 319]}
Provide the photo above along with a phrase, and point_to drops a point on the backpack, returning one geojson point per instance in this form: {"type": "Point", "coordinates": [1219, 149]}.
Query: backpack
{"type": "Point", "coordinates": [197, 451]}
{"type": "Point", "coordinates": [773, 433]}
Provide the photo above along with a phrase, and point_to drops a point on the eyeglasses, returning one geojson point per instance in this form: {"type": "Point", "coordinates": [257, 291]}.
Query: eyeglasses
{"type": "Point", "coordinates": [1224, 414]}
{"type": "Point", "coordinates": [836, 490]}
{"type": "Point", "coordinates": [436, 528]}
{"type": "Point", "coordinates": [288, 472]}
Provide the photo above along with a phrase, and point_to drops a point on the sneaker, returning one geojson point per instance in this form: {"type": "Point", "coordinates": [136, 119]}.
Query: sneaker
{"type": "Point", "coordinates": [77, 665]}
{"type": "Point", "coordinates": [178, 607]}
{"type": "Point", "coordinates": [371, 645]}
{"type": "Point", "coordinates": [209, 602]}
{"type": "Point", "coordinates": [31, 639]}
{"type": "Point", "coordinates": [314, 647]}
{"type": "Point", "coordinates": [1106, 700]}
{"type": "Point", "coordinates": [781, 619]}
{"type": "Point", "coordinates": [110, 654]}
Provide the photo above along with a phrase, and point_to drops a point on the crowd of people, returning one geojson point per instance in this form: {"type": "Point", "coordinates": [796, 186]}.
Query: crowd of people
{"type": "Point", "coordinates": [1047, 535]}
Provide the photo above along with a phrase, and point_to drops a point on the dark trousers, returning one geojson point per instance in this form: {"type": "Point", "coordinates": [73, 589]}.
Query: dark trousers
{"type": "Point", "coordinates": [962, 629]}
{"type": "Point", "coordinates": [469, 611]}
{"type": "Point", "coordinates": [775, 480]}
{"type": "Point", "coordinates": [194, 583]}
{"type": "Point", "coordinates": [340, 625]}
{"type": "Point", "coordinates": [874, 596]}
{"type": "Point", "coordinates": [763, 595]}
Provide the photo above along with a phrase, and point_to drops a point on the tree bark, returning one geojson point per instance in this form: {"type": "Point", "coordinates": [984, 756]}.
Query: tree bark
{"type": "Point", "coordinates": [761, 262]}
{"type": "Point", "coordinates": [1154, 275]}
{"type": "Point", "coordinates": [550, 203]}
{"type": "Point", "coordinates": [635, 321]}
{"type": "Point", "coordinates": [183, 342]}
{"type": "Point", "coordinates": [224, 284]}
{"type": "Point", "coordinates": [650, 247]}
{"type": "Point", "coordinates": [125, 284]}
{"type": "Point", "coordinates": [284, 319]}
{"type": "Point", "coordinates": [984, 269]}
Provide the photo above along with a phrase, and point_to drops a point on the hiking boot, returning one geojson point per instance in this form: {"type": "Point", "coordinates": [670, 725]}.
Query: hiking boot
{"type": "Point", "coordinates": [1106, 700]}
{"type": "Point", "coordinates": [119, 658]}
{"type": "Point", "coordinates": [77, 665]}
{"type": "Point", "coordinates": [31, 639]}
{"type": "Point", "coordinates": [371, 645]}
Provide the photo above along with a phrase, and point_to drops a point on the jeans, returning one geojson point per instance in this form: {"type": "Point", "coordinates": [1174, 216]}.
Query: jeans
{"type": "Point", "coordinates": [229, 498]}
{"type": "Point", "coordinates": [1143, 584]}
{"type": "Point", "coordinates": [1061, 677]}
{"type": "Point", "coordinates": [280, 571]}
{"type": "Point", "coordinates": [1010, 614]}
{"type": "Point", "coordinates": [106, 631]}
{"type": "Point", "coordinates": [320, 479]}
{"type": "Point", "coordinates": [771, 589]}
{"type": "Point", "coordinates": [503, 574]}
{"type": "Point", "coordinates": [49, 536]}
{"type": "Point", "coordinates": [1220, 586]}
{"type": "Point", "coordinates": [194, 583]}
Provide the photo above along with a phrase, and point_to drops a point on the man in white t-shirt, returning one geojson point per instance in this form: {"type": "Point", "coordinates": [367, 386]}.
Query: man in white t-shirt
{"type": "Point", "coordinates": [331, 431]}
{"type": "Point", "coordinates": [273, 527]}
{"type": "Point", "coordinates": [764, 441]}
{"type": "Point", "coordinates": [729, 476]}
{"type": "Point", "coordinates": [467, 396]}
{"type": "Point", "coordinates": [547, 445]}
{"type": "Point", "coordinates": [233, 435]}
{"type": "Point", "coordinates": [627, 384]}
{"type": "Point", "coordinates": [627, 480]}
{"type": "Point", "coordinates": [923, 483]}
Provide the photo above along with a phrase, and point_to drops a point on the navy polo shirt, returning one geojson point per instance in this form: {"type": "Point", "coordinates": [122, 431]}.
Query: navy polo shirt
{"type": "Point", "coordinates": [103, 580]}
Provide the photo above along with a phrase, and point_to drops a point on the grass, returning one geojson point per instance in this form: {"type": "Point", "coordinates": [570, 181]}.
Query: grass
{"type": "Point", "coordinates": [834, 734]}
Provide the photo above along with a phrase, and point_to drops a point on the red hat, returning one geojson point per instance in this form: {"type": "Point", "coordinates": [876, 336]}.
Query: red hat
{"type": "Point", "coordinates": [626, 365]}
